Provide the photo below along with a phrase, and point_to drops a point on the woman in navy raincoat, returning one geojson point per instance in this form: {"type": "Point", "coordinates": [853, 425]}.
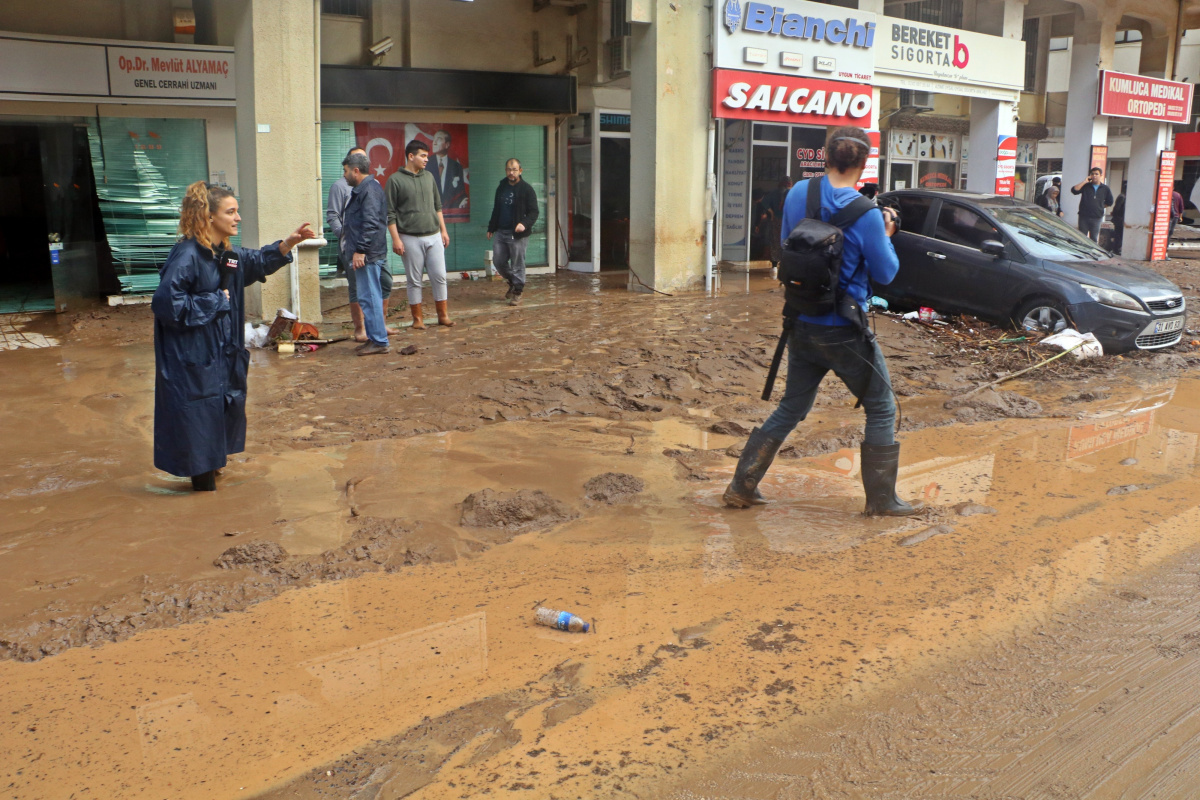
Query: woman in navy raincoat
{"type": "Point", "coordinates": [199, 336]}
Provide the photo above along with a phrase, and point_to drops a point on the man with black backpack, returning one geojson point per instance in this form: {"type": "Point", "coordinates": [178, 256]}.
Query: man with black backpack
{"type": "Point", "coordinates": [835, 242]}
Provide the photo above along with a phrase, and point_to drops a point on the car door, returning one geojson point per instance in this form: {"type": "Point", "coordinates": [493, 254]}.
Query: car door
{"type": "Point", "coordinates": [911, 243]}
{"type": "Point", "coordinates": [967, 280]}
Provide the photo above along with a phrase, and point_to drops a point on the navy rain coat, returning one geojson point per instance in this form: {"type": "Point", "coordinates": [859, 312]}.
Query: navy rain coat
{"type": "Point", "coordinates": [201, 358]}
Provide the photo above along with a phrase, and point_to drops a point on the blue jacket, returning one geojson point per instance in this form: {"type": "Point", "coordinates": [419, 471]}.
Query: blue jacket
{"type": "Point", "coordinates": [865, 240]}
{"type": "Point", "coordinates": [364, 222]}
{"type": "Point", "coordinates": [200, 357]}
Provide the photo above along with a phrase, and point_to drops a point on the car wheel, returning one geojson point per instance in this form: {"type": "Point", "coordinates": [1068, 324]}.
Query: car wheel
{"type": "Point", "coordinates": [1042, 314]}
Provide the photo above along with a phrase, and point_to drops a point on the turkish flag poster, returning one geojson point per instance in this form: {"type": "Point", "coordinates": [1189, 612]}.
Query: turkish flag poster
{"type": "Point", "coordinates": [448, 158]}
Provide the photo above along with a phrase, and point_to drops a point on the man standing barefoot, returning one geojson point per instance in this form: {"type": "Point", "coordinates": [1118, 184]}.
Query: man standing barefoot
{"type": "Point", "coordinates": [513, 215]}
{"type": "Point", "coordinates": [418, 231]}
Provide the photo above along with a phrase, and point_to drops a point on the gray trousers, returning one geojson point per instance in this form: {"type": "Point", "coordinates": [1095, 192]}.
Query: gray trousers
{"type": "Point", "coordinates": [1091, 226]}
{"type": "Point", "coordinates": [424, 254]}
{"type": "Point", "coordinates": [508, 256]}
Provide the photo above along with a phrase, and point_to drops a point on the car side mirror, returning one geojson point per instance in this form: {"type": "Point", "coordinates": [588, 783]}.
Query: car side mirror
{"type": "Point", "coordinates": [992, 248]}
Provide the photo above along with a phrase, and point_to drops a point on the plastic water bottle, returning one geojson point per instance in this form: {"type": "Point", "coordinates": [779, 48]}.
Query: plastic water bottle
{"type": "Point", "coordinates": [563, 620]}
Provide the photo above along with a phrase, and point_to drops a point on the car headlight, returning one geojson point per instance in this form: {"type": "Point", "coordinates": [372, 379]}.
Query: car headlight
{"type": "Point", "coordinates": [1111, 297]}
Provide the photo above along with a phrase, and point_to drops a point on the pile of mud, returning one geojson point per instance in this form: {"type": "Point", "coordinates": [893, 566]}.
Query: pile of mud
{"type": "Point", "coordinates": [379, 545]}
{"type": "Point", "coordinates": [613, 487]}
{"type": "Point", "coordinates": [522, 511]}
{"type": "Point", "coordinates": [991, 404]}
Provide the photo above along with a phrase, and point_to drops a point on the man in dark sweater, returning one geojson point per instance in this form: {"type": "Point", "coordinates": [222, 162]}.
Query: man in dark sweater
{"type": "Point", "coordinates": [364, 232]}
{"type": "Point", "coordinates": [513, 215]}
{"type": "Point", "coordinates": [1094, 197]}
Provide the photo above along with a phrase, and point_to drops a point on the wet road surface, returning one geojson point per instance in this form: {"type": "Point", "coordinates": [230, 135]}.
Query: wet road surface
{"type": "Point", "coordinates": [733, 649]}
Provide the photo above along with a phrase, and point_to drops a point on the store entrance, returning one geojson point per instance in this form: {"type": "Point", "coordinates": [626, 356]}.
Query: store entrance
{"type": "Point", "coordinates": [26, 282]}
{"type": "Point", "coordinates": [48, 217]}
{"type": "Point", "coordinates": [614, 202]}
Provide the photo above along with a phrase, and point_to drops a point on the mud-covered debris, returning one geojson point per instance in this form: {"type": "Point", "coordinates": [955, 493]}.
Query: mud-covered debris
{"type": "Point", "coordinates": [1126, 489]}
{"type": "Point", "coordinates": [1088, 397]}
{"type": "Point", "coordinates": [971, 509]}
{"type": "Point", "coordinates": [928, 533]}
{"type": "Point", "coordinates": [524, 510]}
{"type": "Point", "coordinates": [1168, 362]}
{"type": "Point", "coordinates": [729, 428]}
{"type": "Point", "coordinates": [1128, 462]}
{"type": "Point", "coordinates": [613, 487]}
{"type": "Point", "coordinates": [257, 555]}
{"type": "Point", "coordinates": [409, 351]}
{"type": "Point", "coordinates": [991, 404]}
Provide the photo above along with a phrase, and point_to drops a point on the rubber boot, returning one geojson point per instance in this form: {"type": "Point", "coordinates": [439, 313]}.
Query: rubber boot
{"type": "Point", "coordinates": [880, 462]}
{"type": "Point", "coordinates": [418, 322]}
{"type": "Point", "coordinates": [443, 314]}
{"type": "Point", "coordinates": [205, 482]}
{"type": "Point", "coordinates": [757, 456]}
{"type": "Point", "coordinates": [360, 327]}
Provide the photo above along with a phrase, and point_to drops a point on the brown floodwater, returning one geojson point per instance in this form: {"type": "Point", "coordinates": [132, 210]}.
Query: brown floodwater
{"type": "Point", "coordinates": [713, 626]}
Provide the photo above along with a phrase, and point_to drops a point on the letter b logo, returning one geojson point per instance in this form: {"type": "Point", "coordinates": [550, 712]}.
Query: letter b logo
{"type": "Point", "coordinates": [961, 54]}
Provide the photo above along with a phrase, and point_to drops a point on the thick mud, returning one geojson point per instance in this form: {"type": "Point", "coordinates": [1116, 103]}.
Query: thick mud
{"type": "Point", "coordinates": [350, 614]}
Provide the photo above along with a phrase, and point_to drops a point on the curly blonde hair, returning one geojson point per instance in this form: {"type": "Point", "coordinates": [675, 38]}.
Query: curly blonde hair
{"type": "Point", "coordinates": [200, 202]}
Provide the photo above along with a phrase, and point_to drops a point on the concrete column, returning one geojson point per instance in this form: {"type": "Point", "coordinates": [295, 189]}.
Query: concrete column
{"type": "Point", "coordinates": [1149, 139]}
{"type": "Point", "coordinates": [1091, 51]}
{"type": "Point", "coordinates": [278, 168]}
{"type": "Point", "coordinates": [1157, 55]}
{"type": "Point", "coordinates": [670, 96]}
{"type": "Point", "coordinates": [990, 119]}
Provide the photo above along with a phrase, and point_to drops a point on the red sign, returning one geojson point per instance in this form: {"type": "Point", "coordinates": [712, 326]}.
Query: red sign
{"type": "Point", "coordinates": [871, 172]}
{"type": "Point", "coordinates": [1006, 166]}
{"type": "Point", "coordinates": [1162, 205]}
{"type": "Point", "coordinates": [1099, 158]}
{"type": "Point", "coordinates": [1139, 97]}
{"type": "Point", "coordinates": [1083, 440]}
{"type": "Point", "coordinates": [764, 97]}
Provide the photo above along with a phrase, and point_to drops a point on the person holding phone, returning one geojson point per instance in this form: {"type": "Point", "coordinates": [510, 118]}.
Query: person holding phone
{"type": "Point", "coordinates": [200, 355]}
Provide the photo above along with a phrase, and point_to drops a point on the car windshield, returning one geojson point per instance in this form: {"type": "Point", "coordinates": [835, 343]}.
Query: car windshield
{"type": "Point", "coordinates": [1046, 236]}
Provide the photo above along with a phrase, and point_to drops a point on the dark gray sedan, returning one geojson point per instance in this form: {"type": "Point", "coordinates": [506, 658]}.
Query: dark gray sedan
{"type": "Point", "coordinates": [1009, 261]}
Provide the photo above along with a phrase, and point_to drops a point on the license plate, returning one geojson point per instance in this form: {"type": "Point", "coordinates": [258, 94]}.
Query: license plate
{"type": "Point", "coordinates": [1168, 325]}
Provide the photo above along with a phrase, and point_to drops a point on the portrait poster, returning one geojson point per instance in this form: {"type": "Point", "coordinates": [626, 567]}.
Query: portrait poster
{"type": "Point", "coordinates": [937, 146]}
{"type": "Point", "coordinates": [448, 158]}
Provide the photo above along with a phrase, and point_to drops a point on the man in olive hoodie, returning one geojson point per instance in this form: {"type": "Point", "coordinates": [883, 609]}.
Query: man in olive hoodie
{"type": "Point", "coordinates": [418, 231]}
{"type": "Point", "coordinates": [513, 215]}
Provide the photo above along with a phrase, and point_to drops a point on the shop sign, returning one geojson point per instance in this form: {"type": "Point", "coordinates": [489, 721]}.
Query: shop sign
{"type": "Point", "coordinates": [1162, 205]}
{"type": "Point", "coordinates": [1006, 166]}
{"type": "Point", "coordinates": [1083, 440]}
{"type": "Point", "coordinates": [950, 58]}
{"type": "Point", "coordinates": [794, 37]}
{"type": "Point", "coordinates": [1139, 97]}
{"type": "Point", "coordinates": [735, 189]}
{"type": "Point", "coordinates": [789, 100]}
{"type": "Point", "coordinates": [36, 68]}
{"type": "Point", "coordinates": [170, 73]}
{"type": "Point", "coordinates": [871, 173]}
{"type": "Point", "coordinates": [1099, 158]}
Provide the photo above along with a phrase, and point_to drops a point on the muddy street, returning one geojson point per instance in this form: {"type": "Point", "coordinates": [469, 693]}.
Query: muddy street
{"type": "Point", "coordinates": [351, 614]}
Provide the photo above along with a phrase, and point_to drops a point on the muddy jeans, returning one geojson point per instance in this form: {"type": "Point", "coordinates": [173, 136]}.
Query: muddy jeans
{"type": "Point", "coordinates": [371, 300]}
{"type": "Point", "coordinates": [814, 350]}
{"type": "Point", "coordinates": [508, 256]}
{"type": "Point", "coordinates": [385, 279]}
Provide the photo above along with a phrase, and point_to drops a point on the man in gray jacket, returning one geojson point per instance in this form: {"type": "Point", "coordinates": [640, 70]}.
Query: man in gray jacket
{"type": "Point", "coordinates": [339, 196]}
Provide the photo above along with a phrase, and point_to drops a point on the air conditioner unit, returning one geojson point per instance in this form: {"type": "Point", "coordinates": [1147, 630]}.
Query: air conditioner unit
{"type": "Point", "coordinates": [912, 100]}
{"type": "Point", "coordinates": [619, 57]}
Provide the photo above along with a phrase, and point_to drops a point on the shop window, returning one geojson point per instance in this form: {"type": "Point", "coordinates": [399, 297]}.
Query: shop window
{"type": "Point", "coordinates": [142, 168]}
{"type": "Point", "coordinates": [1029, 35]}
{"type": "Point", "coordinates": [960, 225]}
{"type": "Point", "coordinates": [1060, 43]}
{"type": "Point", "coordinates": [347, 8]}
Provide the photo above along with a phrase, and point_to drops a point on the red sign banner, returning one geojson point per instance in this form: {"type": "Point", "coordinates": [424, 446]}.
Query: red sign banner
{"type": "Point", "coordinates": [1006, 166]}
{"type": "Point", "coordinates": [1162, 205]}
{"type": "Point", "coordinates": [765, 97]}
{"type": "Point", "coordinates": [1139, 97]}
{"type": "Point", "coordinates": [1099, 159]}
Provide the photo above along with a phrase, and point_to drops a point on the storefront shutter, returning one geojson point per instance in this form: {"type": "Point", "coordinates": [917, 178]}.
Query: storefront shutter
{"type": "Point", "coordinates": [142, 168]}
{"type": "Point", "coordinates": [336, 140]}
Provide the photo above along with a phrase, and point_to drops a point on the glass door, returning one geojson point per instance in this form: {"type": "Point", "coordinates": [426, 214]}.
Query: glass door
{"type": "Point", "coordinates": [901, 174]}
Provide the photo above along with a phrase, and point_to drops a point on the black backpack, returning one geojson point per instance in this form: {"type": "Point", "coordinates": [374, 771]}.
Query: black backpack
{"type": "Point", "coordinates": [810, 267]}
{"type": "Point", "coordinates": [810, 264]}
